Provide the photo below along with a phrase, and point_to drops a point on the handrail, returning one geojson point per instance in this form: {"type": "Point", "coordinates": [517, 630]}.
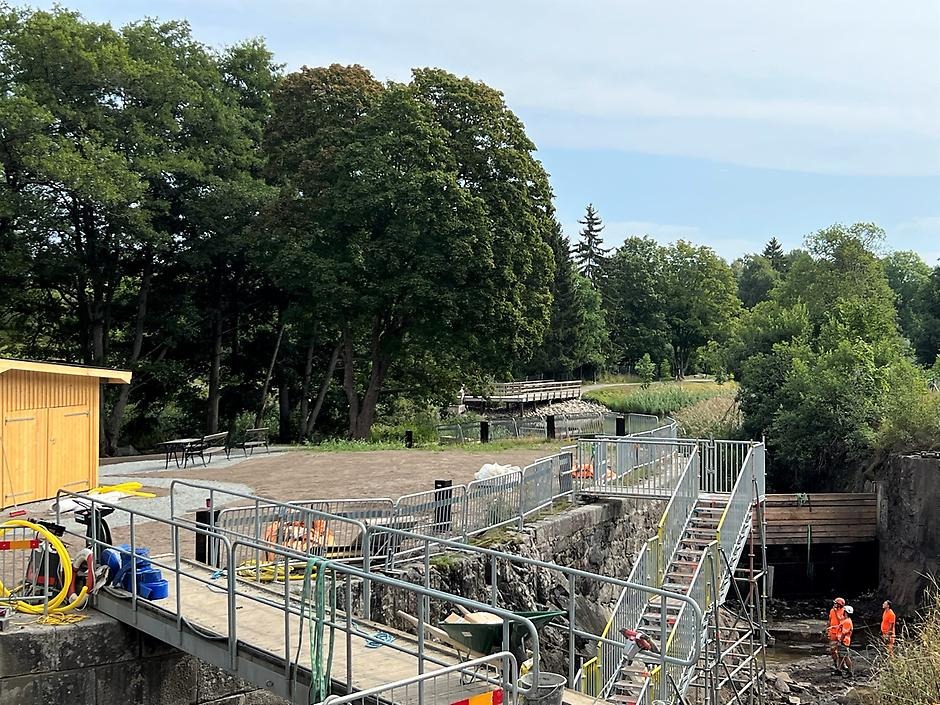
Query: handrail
{"type": "Point", "coordinates": [287, 555]}
{"type": "Point", "coordinates": [738, 507]}
{"type": "Point", "coordinates": [678, 511]}
{"type": "Point", "coordinates": [463, 667]}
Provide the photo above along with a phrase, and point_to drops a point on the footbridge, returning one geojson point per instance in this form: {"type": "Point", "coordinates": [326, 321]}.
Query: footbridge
{"type": "Point", "coordinates": [333, 601]}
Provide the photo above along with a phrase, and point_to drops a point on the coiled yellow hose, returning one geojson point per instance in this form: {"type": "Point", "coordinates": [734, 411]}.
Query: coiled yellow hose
{"type": "Point", "coordinates": [55, 605]}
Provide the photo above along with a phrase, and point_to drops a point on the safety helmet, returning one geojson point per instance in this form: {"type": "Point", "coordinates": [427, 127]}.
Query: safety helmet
{"type": "Point", "coordinates": [839, 601]}
{"type": "Point", "coordinates": [848, 609]}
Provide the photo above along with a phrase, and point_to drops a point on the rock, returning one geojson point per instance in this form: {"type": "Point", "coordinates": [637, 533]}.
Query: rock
{"type": "Point", "coordinates": [781, 685]}
{"type": "Point", "coordinates": [794, 700]}
{"type": "Point", "coordinates": [785, 676]}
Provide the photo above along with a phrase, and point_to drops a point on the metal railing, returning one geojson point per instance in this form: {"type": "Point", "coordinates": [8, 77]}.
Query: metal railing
{"type": "Point", "coordinates": [638, 591]}
{"type": "Point", "coordinates": [442, 685]}
{"type": "Point", "coordinates": [244, 601]}
{"type": "Point", "coordinates": [530, 391]}
{"type": "Point", "coordinates": [736, 518]}
{"type": "Point", "coordinates": [675, 519]}
{"type": "Point", "coordinates": [722, 462]}
{"type": "Point", "coordinates": [565, 425]}
{"type": "Point", "coordinates": [637, 466]}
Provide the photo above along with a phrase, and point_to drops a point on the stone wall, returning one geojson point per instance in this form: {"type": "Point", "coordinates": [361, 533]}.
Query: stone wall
{"type": "Point", "coordinates": [602, 538]}
{"type": "Point", "coordinates": [99, 661]}
{"type": "Point", "coordinates": [908, 528]}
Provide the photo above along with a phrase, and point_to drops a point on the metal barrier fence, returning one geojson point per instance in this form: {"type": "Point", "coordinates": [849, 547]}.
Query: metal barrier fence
{"type": "Point", "coordinates": [17, 559]}
{"type": "Point", "coordinates": [722, 462]}
{"type": "Point", "coordinates": [736, 515]}
{"type": "Point", "coordinates": [565, 426]}
{"type": "Point", "coordinates": [638, 466]}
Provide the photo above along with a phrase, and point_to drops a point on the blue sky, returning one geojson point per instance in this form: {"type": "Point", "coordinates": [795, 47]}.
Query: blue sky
{"type": "Point", "coordinates": [722, 122]}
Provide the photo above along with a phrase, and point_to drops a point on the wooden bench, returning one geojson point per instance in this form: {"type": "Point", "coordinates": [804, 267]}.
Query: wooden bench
{"type": "Point", "coordinates": [207, 446]}
{"type": "Point", "coordinates": [255, 438]}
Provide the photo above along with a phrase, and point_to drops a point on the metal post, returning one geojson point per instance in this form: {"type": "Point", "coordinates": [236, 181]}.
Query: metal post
{"type": "Point", "coordinates": [571, 615]}
{"type": "Point", "coordinates": [409, 438]}
{"type": "Point", "coordinates": [484, 432]}
{"type": "Point", "coordinates": [493, 592]}
{"type": "Point", "coordinates": [550, 426]}
{"type": "Point", "coordinates": [349, 631]}
{"type": "Point", "coordinates": [621, 426]}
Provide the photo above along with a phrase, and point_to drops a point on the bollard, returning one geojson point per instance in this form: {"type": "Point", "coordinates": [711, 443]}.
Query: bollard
{"type": "Point", "coordinates": [621, 426]}
{"type": "Point", "coordinates": [202, 540]}
{"type": "Point", "coordinates": [550, 426]}
{"type": "Point", "coordinates": [409, 439]}
{"type": "Point", "coordinates": [484, 432]}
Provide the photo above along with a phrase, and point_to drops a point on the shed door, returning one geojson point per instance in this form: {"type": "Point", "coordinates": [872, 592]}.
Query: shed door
{"type": "Point", "coordinates": [69, 438]}
{"type": "Point", "coordinates": [24, 455]}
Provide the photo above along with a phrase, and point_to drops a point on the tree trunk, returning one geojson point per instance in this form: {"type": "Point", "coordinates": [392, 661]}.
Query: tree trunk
{"type": "Point", "coordinates": [124, 392]}
{"type": "Point", "coordinates": [305, 385]}
{"type": "Point", "coordinates": [215, 371]}
{"type": "Point", "coordinates": [283, 403]}
{"type": "Point", "coordinates": [267, 378]}
{"type": "Point", "coordinates": [362, 412]}
{"type": "Point", "coordinates": [311, 420]}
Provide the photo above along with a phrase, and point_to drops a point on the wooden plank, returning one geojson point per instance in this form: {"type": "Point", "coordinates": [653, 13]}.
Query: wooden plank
{"type": "Point", "coordinates": [114, 376]}
{"type": "Point", "coordinates": [828, 521]}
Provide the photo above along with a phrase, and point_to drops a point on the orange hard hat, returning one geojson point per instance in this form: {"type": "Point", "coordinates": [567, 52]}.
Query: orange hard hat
{"type": "Point", "coordinates": [839, 601]}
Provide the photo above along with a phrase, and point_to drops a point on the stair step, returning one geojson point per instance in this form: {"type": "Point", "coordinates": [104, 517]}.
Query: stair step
{"type": "Point", "coordinates": [622, 699]}
{"type": "Point", "coordinates": [708, 530]}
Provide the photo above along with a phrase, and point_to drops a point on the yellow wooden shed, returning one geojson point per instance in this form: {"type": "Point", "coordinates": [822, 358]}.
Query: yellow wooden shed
{"type": "Point", "coordinates": [49, 431]}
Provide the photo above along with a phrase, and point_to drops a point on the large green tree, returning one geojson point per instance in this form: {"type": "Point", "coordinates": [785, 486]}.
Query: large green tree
{"type": "Point", "coordinates": [700, 300]}
{"type": "Point", "coordinates": [908, 276]}
{"type": "Point", "coordinates": [634, 301]}
{"type": "Point", "coordinates": [420, 239]}
{"type": "Point", "coordinates": [756, 278]}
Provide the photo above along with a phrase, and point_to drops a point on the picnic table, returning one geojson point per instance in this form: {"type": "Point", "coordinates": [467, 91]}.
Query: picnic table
{"type": "Point", "coordinates": [177, 449]}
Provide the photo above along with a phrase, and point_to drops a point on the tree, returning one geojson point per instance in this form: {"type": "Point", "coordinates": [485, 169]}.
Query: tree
{"type": "Point", "coordinates": [633, 300]}
{"type": "Point", "coordinates": [577, 335]}
{"type": "Point", "coordinates": [700, 300]}
{"type": "Point", "coordinates": [589, 253]}
{"type": "Point", "coordinates": [116, 155]}
{"type": "Point", "coordinates": [646, 369]}
{"type": "Point", "coordinates": [423, 241]}
{"type": "Point", "coordinates": [927, 344]}
{"type": "Point", "coordinates": [773, 253]}
{"type": "Point", "coordinates": [756, 278]}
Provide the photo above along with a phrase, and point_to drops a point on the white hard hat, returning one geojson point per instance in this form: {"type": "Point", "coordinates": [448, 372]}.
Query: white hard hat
{"type": "Point", "coordinates": [848, 609]}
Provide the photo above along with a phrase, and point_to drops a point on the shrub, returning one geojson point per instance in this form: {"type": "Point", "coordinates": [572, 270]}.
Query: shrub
{"type": "Point", "coordinates": [646, 369]}
{"type": "Point", "coordinates": [659, 400]}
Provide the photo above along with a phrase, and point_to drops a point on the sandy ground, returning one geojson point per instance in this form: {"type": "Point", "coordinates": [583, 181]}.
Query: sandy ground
{"type": "Point", "coordinates": [299, 475]}
{"type": "Point", "coordinates": [289, 476]}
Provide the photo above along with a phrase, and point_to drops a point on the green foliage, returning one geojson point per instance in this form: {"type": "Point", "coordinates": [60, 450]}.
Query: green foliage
{"type": "Point", "coordinates": [665, 369]}
{"type": "Point", "coordinates": [773, 253]}
{"type": "Point", "coordinates": [658, 399]}
{"type": "Point", "coordinates": [633, 301]}
{"type": "Point", "coordinates": [908, 276]}
{"type": "Point", "coordinates": [646, 369]}
{"type": "Point", "coordinates": [756, 277]}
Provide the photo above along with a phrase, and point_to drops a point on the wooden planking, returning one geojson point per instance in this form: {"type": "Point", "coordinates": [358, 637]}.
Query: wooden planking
{"type": "Point", "coordinates": [67, 434]}
{"type": "Point", "coordinates": [823, 517]}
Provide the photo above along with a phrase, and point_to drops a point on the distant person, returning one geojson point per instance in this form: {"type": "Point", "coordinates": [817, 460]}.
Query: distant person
{"type": "Point", "coordinates": [845, 637]}
{"type": "Point", "coordinates": [888, 618]}
{"type": "Point", "coordinates": [836, 615]}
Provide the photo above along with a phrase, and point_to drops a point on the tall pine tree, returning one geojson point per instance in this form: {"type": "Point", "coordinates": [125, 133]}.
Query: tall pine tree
{"type": "Point", "coordinates": [589, 253]}
{"type": "Point", "coordinates": [773, 252]}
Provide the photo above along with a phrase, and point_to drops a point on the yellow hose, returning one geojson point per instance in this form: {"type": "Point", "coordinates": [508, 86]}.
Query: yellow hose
{"type": "Point", "coordinates": [64, 560]}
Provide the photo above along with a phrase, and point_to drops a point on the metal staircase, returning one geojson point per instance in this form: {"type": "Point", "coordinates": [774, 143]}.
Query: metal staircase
{"type": "Point", "coordinates": [701, 537]}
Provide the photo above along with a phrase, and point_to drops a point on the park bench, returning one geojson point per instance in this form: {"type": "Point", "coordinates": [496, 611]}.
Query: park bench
{"type": "Point", "coordinates": [207, 446]}
{"type": "Point", "coordinates": [255, 438]}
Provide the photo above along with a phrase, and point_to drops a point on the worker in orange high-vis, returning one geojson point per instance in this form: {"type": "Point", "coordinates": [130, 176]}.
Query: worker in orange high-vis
{"type": "Point", "coordinates": [845, 638]}
{"type": "Point", "coordinates": [836, 615]}
{"type": "Point", "coordinates": [888, 618]}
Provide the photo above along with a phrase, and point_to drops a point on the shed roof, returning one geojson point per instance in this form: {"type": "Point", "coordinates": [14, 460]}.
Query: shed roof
{"type": "Point", "coordinates": [58, 368]}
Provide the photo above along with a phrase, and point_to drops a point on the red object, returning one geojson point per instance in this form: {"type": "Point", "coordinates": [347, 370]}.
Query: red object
{"type": "Point", "coordinates": [494, 697]}
{"type": "Point", "coordinates": [18, 513]}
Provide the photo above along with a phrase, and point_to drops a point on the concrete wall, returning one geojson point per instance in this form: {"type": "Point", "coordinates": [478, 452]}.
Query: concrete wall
{"type": "Point", "coordinates": [101, 662]}
{"type": "Point", "coordinates": [908, 528]}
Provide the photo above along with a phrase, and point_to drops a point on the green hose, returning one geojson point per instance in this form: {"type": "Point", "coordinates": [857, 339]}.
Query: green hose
{"type": "Point", "coordinates": [320, 677]}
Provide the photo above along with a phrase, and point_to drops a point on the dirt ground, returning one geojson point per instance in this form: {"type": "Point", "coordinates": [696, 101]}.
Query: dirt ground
{"type": "Point", "coordinates": [298, 475]}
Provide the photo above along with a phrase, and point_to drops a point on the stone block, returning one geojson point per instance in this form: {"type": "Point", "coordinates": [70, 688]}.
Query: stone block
{"type": "Point", "coordinates": [26, 649]}
{"type": "Point", "coordinates": [167, 680]}
{"type": "Point", "coordinates": [95, 641]}
{"type": "Point", "coordinates": [213, 683]}
{"type": "Point", "coordinates": [75, 686]}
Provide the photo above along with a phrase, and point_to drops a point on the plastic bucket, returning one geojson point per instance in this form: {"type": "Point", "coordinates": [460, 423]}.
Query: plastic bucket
{"type": "Point", "coordinates": [548, 691]}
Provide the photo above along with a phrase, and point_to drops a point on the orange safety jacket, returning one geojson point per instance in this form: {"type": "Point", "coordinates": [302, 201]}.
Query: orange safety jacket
{"type": "Point", "coordinates": [836, 615]}
{"type": "Point", "coordinates": [845, 634]}
{"type": "Point", "coordinates": [887, 622]}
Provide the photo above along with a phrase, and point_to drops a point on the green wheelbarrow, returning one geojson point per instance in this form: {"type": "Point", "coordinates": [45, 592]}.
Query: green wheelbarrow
{"type": "Point", "coordinates": [483, 639]}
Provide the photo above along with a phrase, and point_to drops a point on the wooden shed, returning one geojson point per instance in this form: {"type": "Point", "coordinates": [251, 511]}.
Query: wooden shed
{"type": "Point", "coordinates": [49, 431]}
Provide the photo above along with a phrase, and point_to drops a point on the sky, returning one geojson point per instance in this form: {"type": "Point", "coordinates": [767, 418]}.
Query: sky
{"type": "Point", "coordinates": [720, 122]}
